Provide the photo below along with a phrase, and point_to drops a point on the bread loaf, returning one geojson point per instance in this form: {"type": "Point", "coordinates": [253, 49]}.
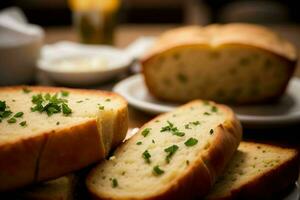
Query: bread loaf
{"type": "Point", "coordinates": [177, 155]}
{"type": "Point", "coordinates": [231, 63]}
{"type": "Point", "coordinates": [47, 132]}
{"type": "Point", "coordinates": [257, 171]}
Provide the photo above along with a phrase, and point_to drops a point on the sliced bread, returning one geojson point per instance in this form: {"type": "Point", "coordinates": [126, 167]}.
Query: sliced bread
{"type": "Point", "coordinates": [257, 171]}
{"type": "Point", "coordinates": [226, 63]}
{"type": "Point", "coordinates": [177, 155]}
{"type": "Point", "coordinates": [47, 132]}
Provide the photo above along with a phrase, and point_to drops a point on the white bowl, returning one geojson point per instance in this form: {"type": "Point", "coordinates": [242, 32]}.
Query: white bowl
{"type": "Point", "coordinates": [117, 62]}
{"type": "Point", "coordinates": [18, 55]}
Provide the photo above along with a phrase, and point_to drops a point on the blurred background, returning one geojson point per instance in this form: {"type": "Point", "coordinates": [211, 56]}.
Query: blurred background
{"type": "Point", "coordinates": [121, 22]}
{"type": "Point", "coordinates": [58, 13]}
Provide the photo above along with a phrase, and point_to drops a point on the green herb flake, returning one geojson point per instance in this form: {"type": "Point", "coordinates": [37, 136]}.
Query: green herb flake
{"type": "Point", "coordinates": [206, 113]}
{"type": "Point", "coordinates": [139, 143]}
{"type": "Point", "coordinates": [101, 107]}
{"type": "Point", "coordinates": [50, 104]}
{"type": "Point", "coordinates": [64, 93]}
{"type": "Point", "coordinates": [146, 155]}
{"type": "Point", "coordinates": [153, 141]}
{"type": "Point", "coordinates": [171, 151]}
{"type": "Point", "coordinates": [191, 142]}
{"type": "Point", "coordinates": [195, 123]}
{"type": "Point", "coordinates": [187, 126]}
{"type": "Point", "coordinates": [57, 123]}
{"type": "Point", "coordinates": [2, 105]}
{"type": "Point", "coordinates": [26, 90]}
{"type": "Point", "coordinates": [114, 183]}
{"type": "Point", "coordinates": [4, 110]}
{"type": "Point", "coordinates": [19, 114]}
{"type": "Point", "coordinates": [187, 162]}
{"type": "Point", "coordinates": [214, 109]}
{"type": "Point", "coordinates": [146, 131]}
{"type": "Point", "coordinates": [182, 78]}
{"type": "Point", "coordinates": [107, 100]}
{"type": "Point", "coordinates": [157, 171]}
{"type": "Point", "coordinates": [171, 128]}
{"type": "Point", "coordinates": [80, 101]}
{"type": "Point", "coordinates": [206, 103]}
{"type": "Point", "coordinates": [66, 109]}
{"type": "Point", "coordinates": [23, 123]}
{"type": "Point", "coordinates": [12, 120]}
{"type": "Point", "coordinates": [211, 131]}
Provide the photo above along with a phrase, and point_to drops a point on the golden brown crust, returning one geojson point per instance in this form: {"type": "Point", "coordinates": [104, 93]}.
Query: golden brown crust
{"type": "Point", "coordinates": [268, 185]}
{"type": "Point", "coordinates": [188, 186]}
{"type": "Point", "coordinates": [18, 162]}
{"type": "Point", "coordinates": [52, 154]}
{"type": "Point", "coordinates": [70, 149]}
{"type": "Point", "coordinates": [217, 35]}
{"type": "Point", "coordinates": [228, 138]}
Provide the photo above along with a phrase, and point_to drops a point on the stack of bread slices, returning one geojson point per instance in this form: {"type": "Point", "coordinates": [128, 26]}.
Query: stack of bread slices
{"type": "Point", "coordinates": [47, 134]}
{"type": "Point", "coordinates": [192, 152]}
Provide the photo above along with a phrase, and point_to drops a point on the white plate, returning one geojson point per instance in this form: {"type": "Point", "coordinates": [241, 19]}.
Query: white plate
{"type": "Point", "coordinates": [284, 112]}
{"type": "Point", "coordinates": [118, 61]}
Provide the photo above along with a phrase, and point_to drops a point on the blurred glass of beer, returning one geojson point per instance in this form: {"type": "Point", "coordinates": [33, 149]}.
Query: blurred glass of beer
{"type": "Point", "coordinates": [95, 20]}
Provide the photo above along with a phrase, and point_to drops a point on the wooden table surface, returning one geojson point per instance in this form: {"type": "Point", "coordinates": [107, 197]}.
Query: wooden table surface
{"type": "Point", "coordinates": [125, 34]}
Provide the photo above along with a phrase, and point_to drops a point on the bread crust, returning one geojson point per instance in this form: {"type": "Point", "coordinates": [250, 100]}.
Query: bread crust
{"type": "Point", "coordinates": [52, 154]}
{"type": "Point", "coordinates": [268, 185]}
{"type": "Point", "coordinates": [217, 35]}
{"type": "Point", "coordinates": [188, 186]}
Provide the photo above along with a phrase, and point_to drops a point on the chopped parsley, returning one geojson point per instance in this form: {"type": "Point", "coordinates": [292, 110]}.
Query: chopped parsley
{"type": "Point", "coordinates": [4, 110]}
{"type": "Point", "coordinates": [23, 123]}
{"type": "Point", "coordinates": [191, 142]}
{"type": "Point", "coordinates": [139, 143]}
{"type": "Point", "coordinates": [50, 104]}
{"type": "Point", "coordinates": [157, 171]}
{"type": "Point", "coordinates": [66, 109]}
{"type": "Point", "coordinates": [211, 131]}
{"type": "Point", "coordinates": [206, 113]}
{"type": "Point", "coordinates": [100, 107]}
{"type": "Point", "coordinates": [80, 101]}
{"type": "Point", "coordinates": [187, 162]}
{"type": "Point", "coordinates": [214, 109]}
{"type": "Point", "coordinates": [114, 183]}
{"type": "Point", "coordinates": [188, 126]}
{"type": "Point", "coordinates": [64, 93]}
{"type": "Point", "coordinates": [153, 141]}
{"type": "Point", "coordinates": [182, 78]}
{"type": "Point", "coordinates": [171, 151]}
{"type": "Point", "coordinates": [26, 90]}
{"type": "Point", "coordinates": [171, 128]}
{"type": "Point", "coordinates": [12, 120]}
{"type": "Point", "coordinates": [107, 100]}
{"type": "Point", "coordinates": [19, 114]}
{"type": "Point", "coordinates": [206, 103]}
{"type": "Point", "coordinates": [57, 123]}
{"type": "Point", "coordinates": [146, 131]}
{"type": "Point", "coordinates": [146, 155]}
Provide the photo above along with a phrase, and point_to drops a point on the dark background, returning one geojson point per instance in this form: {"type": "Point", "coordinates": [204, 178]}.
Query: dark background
{"type": "Point", "coordinates": [57, 13]}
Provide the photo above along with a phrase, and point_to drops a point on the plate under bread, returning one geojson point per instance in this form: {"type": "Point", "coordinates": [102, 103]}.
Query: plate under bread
{"type": "Point", "coordinates": [286, 111]}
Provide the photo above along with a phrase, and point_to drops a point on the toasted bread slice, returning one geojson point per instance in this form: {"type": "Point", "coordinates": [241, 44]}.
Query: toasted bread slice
{"type": "Point", "coordinates": [46, 136]}
{"type": "Point", "coordinates": [257, 171]}
{"type": "Point", "coordinates": [169, 155]}
{"type": "Point", "coordinates": [225, 63]}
